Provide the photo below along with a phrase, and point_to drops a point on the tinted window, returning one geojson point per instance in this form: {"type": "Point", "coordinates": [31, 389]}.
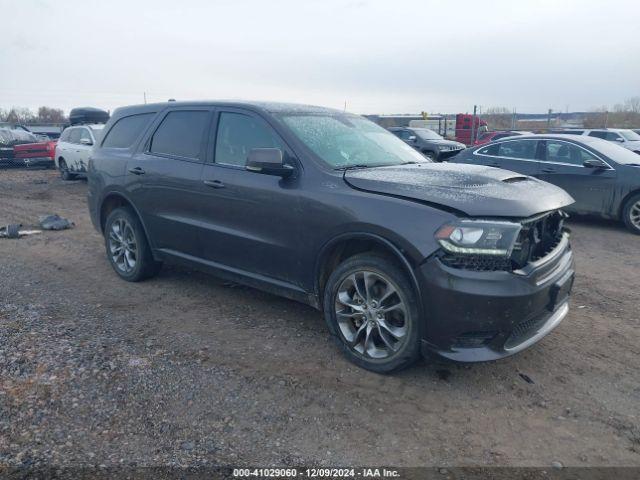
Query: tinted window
{"type": "Point", "coordinates": [84, 134]}
{"type": "Point", "coordinates": [490, 150]}
{"type": "Point", "coordinates": [525, 149]}
{"type": "Point", "coordinates": [74, 135]}
{"type": "Point", "coordinates": [598, 134]}
{"type": "Point", "coordinates": [613, 136]}
{"type": "Point", "coordinates": [180, 134]}
{"type": "Point", "coordinates": [405, 134]}
{"type": "Point", "coordinates": [126, 131]}
{"type": "Point", "coordinates": [566, 153]}
{"type": "Point", "coordinates": [238, 134]}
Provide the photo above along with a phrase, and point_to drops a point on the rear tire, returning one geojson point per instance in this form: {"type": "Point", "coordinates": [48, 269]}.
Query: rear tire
{"type": "Point", "coordinates": [631, 214]}
{"type": "Point", "coordinates": [127, 247]}
{"type": "Point", "coordinates": [65, 174]}
{"type": "Point", "coordinates": [370, 308]}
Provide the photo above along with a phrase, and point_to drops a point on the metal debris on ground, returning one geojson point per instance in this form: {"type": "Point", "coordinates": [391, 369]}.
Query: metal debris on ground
{"type": "Point", "coordinates": [13, 231]}
{"type": "Point", "coordinates": [55, 222]}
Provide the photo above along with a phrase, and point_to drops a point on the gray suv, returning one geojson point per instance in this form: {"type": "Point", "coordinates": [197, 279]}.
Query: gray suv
{"type": "Point", "coordinates": [428, 142]}
{"type": "Point", "coordinates": [402, 255]}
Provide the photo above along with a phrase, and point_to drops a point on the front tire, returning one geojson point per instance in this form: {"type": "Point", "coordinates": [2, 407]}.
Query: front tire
{"type": "Point", "coordinates": [65, 174]}
{"type": "Point", "coordinates": [127, 247]}
{"type": "Point", "coordinates": [631, 214]}
{"type": "Point", "coordinates": [370, 307]}
{"type": "Point", "coordinates": [430, 155]}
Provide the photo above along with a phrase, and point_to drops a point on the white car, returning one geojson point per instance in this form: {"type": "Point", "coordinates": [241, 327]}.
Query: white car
{"type": "Point", "coordinates": [73, 149]}
{"type": "Point", "coordinates": [627, 138]}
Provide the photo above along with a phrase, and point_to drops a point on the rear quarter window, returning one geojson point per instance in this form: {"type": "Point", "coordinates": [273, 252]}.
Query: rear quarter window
{"type": "Point", "coordinates": [127, 130]}
{"type": "Point", "coordinates": [180, 134]}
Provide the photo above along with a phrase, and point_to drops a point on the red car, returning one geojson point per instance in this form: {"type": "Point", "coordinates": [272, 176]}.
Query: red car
{"type": "Point", "coordinates": [39, 153]}
{"type": "Point", "coordinates": [492, 136]}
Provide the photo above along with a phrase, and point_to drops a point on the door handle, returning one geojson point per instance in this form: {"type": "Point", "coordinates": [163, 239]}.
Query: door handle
{"type": "Point", "coordinates": [214, 183]}
{"type": "Point", "coordinates": [136, 171]}
{"type": "Point", "coordinates": [548, 170]}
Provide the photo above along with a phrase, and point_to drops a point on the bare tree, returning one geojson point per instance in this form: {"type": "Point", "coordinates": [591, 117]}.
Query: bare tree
{"type": "Point", "coordinates": [51, 115]}
{"type": "Point", "coordinates": [498, 118]}
{"type": "Point", "coordinates": [633, 104]}
{"type": "Point", "coordinates": [19, 115]}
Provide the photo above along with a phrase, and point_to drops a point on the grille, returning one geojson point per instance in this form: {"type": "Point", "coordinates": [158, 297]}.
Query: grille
{"type": "Point", "coordinates": [476, 262]}
{"type": "Point", "coordinates": [537, 238]}
{"type": "Point", "coordinates": [473, 339]}
{"type": "Point", "coordinates": [524, 330]}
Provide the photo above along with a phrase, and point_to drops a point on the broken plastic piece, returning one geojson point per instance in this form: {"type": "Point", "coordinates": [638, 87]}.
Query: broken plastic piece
{"type": "Point", "coordinates": [55, 222]}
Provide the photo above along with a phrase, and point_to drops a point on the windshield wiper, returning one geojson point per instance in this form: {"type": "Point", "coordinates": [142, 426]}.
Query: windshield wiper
{"type": "Point", "coordinates": [356, 166]}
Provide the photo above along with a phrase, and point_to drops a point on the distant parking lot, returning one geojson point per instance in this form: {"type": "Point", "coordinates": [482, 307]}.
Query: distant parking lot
{"type": "Point", "coordinates": [187, 370]}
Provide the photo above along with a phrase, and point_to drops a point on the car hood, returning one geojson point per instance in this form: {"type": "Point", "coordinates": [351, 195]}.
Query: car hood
{"type": "Point", "coordinates": [474, 190]}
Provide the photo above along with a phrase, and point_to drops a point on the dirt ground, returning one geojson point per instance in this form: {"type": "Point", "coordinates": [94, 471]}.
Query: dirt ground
{"type": "Point", "coordinates": [186, 370]}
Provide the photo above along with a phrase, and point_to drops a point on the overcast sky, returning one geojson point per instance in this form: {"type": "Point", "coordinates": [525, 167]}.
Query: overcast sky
{"type": "Point", "coordinates": [378, 56]}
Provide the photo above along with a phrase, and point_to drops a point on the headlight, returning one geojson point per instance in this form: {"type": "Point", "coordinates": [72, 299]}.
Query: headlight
{"type": "Point", "coordinates": [444, 147]}
{"type": "Point", "coordinates": [479, 237]}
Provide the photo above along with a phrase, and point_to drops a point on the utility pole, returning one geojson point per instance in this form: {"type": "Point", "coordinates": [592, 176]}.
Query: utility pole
{"type": "Point", "coordinates": [144, 94]}
{"type": "Point", "coordinates": [606, 118]}
{"type": "Point", "coordinates": [473, 125]}
{"type": "Point", "coordinates": [549, 119]}
{"type": "Point", "coordinates": [513, 119]}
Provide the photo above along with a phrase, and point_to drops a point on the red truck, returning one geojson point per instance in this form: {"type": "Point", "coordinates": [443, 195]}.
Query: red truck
{"type": "Point", "coordinates": [464, 130]}
{"type": "Point", "coordinates": [34, 154]}
{"type": "Point", "coordinates": [446, 127]}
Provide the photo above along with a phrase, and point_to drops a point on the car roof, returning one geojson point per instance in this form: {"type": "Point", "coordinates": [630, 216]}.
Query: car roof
{"type": "Point", "coordinates": [267, 107]}
{"type": "Point", "coordinates": [559, 136]}
{"type": "Point", "coordinates": [93, 126]}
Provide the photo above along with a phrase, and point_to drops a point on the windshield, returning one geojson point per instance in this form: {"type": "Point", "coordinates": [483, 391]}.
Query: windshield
{"type": "Point", "coordinates": [629, 135]}
{"type": "Point", "coordinates": [348, 140]}
{"type": "Point", "coordinates": [616, 152]}
{"type": "Point", "coordinates": [427, 134]}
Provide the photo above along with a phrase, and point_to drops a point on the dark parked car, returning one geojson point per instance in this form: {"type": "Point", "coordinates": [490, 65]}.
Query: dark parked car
{"type": "Point", "coordinates": [402, 255]}
{"type": "Point", "coordinates": [428, 142]}
{"type": "Point", "coordinates": [602, 177]}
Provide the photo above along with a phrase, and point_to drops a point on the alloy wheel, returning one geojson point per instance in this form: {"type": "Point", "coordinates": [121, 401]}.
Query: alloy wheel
{"type": "Point", "coordinates": [371, 314]}
{"type": "Point", "coordinates": [122, 245]}
{"type": "Point", "coordinates": [634, 214]}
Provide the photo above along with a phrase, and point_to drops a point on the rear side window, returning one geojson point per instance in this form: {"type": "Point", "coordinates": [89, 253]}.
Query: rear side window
{"type": "Point", "coordinates": [180, 134]}
{"type": "Point", "coordinates": [238, 134]}
{"type": "Point", "coordinates": [126, 131]}
{"type": "Point", "coordinates": [74, 135]}
{"type": "Point", "coordinates": [525, 149]}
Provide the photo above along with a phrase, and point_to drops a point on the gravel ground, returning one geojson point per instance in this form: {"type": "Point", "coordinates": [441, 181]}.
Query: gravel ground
{"type": "Point", "coordinates": [184, 370]}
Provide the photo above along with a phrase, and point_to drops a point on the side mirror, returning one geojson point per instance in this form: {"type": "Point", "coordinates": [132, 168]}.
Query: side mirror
{"type": "Point", "coordinates": [267, 161]}
{"type": "Point", "coordinates": [86, 141]}
{"type": "Point", "coordinates": [412, 138]}
{"type": "Point", "coordinates": [619, 139]}
{"type": "Point", "coordinates": [595, 163]}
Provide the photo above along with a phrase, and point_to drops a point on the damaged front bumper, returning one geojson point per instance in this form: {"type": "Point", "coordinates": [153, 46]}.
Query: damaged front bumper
{"type": "Point", "coordinates": [474, 316]}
